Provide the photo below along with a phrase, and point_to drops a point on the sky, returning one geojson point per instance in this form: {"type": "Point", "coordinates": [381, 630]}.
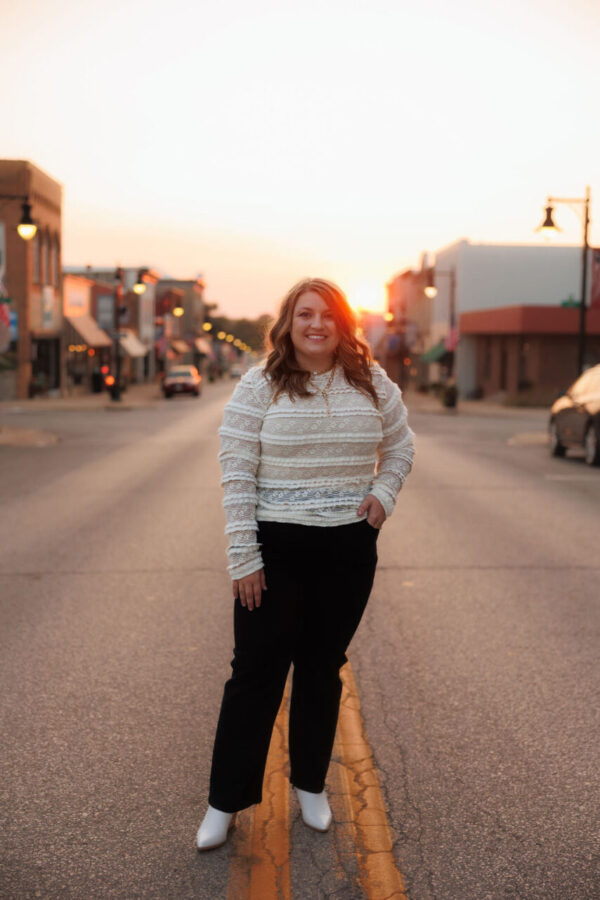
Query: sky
{"type": "Point", "coordinates": [257, 143]}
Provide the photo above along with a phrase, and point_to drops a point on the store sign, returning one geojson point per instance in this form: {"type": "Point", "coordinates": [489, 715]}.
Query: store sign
{"type": "Point", "coordinates": [14, 325]}
{"type": "Point", "coordinates": [48, 307]}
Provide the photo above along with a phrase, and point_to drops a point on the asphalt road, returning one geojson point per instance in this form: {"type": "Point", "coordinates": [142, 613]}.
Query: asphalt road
{"type": "Point", "coordinates": [476, 664]}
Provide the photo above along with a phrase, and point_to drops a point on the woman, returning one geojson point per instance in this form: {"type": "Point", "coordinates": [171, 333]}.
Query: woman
{"type": "Point", "coordinates": [314, 449]}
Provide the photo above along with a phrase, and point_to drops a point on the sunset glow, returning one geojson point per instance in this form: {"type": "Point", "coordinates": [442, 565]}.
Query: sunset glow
{"type": "Point", "coordinates": [368, 296]}
{"type": "Point", "coordinates": [262, 143]}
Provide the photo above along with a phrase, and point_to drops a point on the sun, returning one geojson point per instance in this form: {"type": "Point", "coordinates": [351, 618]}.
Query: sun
{"type": "Point", "coordinates": [367, 295]}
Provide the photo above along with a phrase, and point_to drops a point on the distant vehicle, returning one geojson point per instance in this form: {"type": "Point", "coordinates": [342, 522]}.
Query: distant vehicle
{"type": "Point", "coordinates": [575, 418]}
{"type": "Point", "coordinates": [182, 380]}
{"type": "Point", "coordinates": [236, 370]}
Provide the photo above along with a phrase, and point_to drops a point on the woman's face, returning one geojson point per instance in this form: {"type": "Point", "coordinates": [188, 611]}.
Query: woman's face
{"type": "Point", "coordinates": [313, 333]}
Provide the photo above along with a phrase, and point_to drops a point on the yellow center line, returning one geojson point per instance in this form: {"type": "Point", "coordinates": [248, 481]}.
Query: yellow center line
{"type": "Point", "coordinates": [260, 859]}
{"type": "Point", "coordinates": [379, 876]}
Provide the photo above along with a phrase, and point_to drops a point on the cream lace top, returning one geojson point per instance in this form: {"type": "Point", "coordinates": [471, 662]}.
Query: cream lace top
{"type": "Point", "coordinates": [291, 461]}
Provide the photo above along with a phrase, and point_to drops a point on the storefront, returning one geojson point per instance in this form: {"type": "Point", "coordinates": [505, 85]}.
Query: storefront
{"type": "Point", "coordinates": [45, 364]}
{"type": "Point", "coordinates": [133, 356]}
{"type": "Point", "coordinates": [88, 349]}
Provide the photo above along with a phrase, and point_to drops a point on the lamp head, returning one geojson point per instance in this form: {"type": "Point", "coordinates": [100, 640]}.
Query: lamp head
{"type": "Point", "coordinates": [430, 288]}
{"type": "Point", "coordinates": [139, 287]}
{"type": "Point", "coordinates": [26, 227]}
{"type": "Point", "coordinates": [548, 225]}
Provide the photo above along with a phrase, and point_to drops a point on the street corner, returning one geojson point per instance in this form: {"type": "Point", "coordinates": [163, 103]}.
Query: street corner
{"type": "Point", "coordinates": [26, 437]}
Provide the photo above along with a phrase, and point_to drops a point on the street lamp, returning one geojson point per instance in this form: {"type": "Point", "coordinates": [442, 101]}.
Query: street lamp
{"type": "Point", "coordinates": [548, 225]}
{"type": "Point", "coordinates": [139, 287]}
{"type": "Point", "coordinates": [27, 228]}
{"type": "Point", "coordinates": [431, 292]}
{"type": "Point", "coordinates": [115, 392]}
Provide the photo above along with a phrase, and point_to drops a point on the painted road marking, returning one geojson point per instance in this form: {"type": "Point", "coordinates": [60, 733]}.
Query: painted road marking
{"type": "Point", "coordinates": [379, 876]}
{"type": "Point", "coordinates": [260, 858]}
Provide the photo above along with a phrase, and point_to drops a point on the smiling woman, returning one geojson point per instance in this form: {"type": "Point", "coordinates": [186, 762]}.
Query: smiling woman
{"type": "Point", "coordinates": [315, 447]}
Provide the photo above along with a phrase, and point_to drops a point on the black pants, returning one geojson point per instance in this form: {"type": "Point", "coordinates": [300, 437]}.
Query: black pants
{"type": "Point", "coordinates": [318, 584]}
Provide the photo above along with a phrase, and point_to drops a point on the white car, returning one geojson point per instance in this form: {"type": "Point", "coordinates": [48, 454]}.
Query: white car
{"type": "Point", "coordinates": [182, 380]}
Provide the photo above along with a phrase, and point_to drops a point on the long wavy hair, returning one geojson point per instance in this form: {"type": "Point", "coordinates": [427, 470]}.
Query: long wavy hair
{"type": "Point", "coordinates": [352, 353]}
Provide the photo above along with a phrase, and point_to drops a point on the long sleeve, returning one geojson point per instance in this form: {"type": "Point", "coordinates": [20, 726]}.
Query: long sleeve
{"type": "Point", "coordinates": [239, 458]}
{"type": "Point", "coordinates": [396, 451]}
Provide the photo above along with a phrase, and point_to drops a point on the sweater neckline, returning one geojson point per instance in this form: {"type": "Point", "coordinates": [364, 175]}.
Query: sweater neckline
{"type": "Point", "coordinates": [322, 375]}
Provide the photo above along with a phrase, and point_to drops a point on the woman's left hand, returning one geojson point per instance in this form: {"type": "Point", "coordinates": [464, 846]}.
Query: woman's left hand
{"type": "Point", "coordinates": [375, 511]}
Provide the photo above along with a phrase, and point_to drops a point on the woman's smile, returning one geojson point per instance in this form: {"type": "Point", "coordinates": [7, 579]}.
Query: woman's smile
{"type": "Point", "coordinates": [313, 333]}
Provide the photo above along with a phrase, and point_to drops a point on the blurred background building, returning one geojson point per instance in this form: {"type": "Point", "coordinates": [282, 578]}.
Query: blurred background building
{"type": "Point", "coordinates": [32, 347]}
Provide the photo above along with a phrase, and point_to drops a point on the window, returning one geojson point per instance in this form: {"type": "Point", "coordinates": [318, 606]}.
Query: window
{"type": "Point", "coordinates": [54, 267]}
{"type": "Point", "coordinates": [44, 273]}
{"type": "Point", "coordinates": [503, 365]}
{"type": "Point", "coordinates": [487, 358]}
{"type": "Point", "coordinates": [36, 259]}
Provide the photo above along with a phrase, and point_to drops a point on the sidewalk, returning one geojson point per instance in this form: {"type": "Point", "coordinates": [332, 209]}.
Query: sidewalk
{"type": "Point", "coordinates": [428, 403]}
{"type": "Point", "coordinates": [137, 396]}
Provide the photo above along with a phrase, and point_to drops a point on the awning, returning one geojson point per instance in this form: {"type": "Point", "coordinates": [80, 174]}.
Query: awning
{"type": "Point", "coordinates": [131, 344]}
{"type": "Point", "coordinates": [89, 330]}
{"type": "Point", "coordinates": [180, 346]}
{"type": "Point", "coordinates": [435, 353]}
{"type": "Point", "coordinates": [202, 346]}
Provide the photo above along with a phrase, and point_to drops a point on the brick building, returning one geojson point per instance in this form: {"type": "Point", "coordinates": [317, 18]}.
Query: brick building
{"type": "Point", "coordinates": [34, 360]}
{"type": "Point", "coordinates": [527, 353]}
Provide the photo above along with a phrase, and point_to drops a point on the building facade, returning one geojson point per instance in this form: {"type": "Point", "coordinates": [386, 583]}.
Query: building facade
{"type": "Point", "coordinates": [408, 332]}
{"type": "Point", "coordinates": [32, 355]}
{"type": "Point", "coordinates": [88, 347]}
{"type": "Point", "coordinates": [477, 277]}
{"type": "Point", "coordinates": [136, 314]}
{"type": "Point", "coordinates": [527, 354]}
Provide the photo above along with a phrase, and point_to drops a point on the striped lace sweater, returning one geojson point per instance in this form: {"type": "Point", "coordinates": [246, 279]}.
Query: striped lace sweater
{"type": "Point", "coordinates": [290, 461]}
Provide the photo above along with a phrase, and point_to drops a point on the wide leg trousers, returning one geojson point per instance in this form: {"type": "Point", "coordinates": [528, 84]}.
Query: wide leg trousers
{"type": "Point", "coordinates": [318, 583]}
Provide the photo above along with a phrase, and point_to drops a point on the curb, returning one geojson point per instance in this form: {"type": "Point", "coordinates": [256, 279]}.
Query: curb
{"type": "Point", "coordinates": [26, 437]}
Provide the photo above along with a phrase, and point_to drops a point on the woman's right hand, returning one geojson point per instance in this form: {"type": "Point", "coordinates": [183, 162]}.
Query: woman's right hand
{"type": "Point", "coordinates": [249, 588]}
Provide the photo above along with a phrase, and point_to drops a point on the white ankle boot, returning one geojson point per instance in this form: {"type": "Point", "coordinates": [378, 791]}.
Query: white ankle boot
{"type": "Point", "coordinates": [214, 829]}
{"type": "Point", "coordinates": [315, 809]}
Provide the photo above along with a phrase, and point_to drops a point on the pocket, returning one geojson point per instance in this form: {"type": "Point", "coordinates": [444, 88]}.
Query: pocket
{"type": "Point", "coordinates": [372, 527]}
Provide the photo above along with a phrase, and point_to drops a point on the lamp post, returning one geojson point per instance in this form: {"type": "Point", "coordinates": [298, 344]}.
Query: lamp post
{"type": "Point", "coordinates": [118, 296]}
{"type": "Point", "coordinates": [549, 225]}
{"type": "Point", "coordinates": [431, 291]}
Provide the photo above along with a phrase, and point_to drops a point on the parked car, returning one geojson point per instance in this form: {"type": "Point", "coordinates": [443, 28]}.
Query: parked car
{"type": "Point", "coordinates": [182, 380]}
{"type": "Point", "coordinates": [575, 418]}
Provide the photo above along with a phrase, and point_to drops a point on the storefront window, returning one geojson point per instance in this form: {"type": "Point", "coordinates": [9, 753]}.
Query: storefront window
{"type": "Point", "coordinates": [36, 259]}
{"type": "Point", "coordinates": [45, 273]}
{"type": "Point", "coordinates": [54, 268]}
